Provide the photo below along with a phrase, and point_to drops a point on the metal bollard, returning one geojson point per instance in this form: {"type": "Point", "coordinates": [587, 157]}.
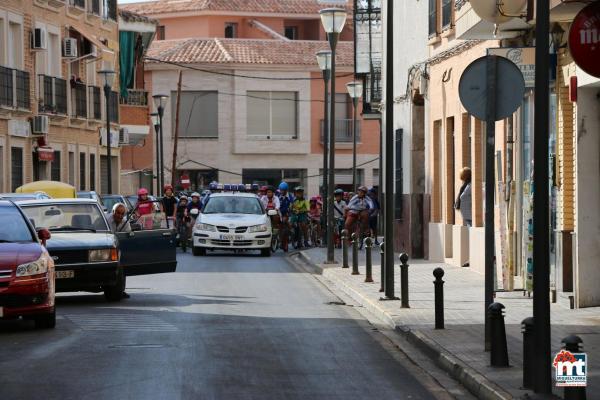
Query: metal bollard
{"type": "Point", "coordinates": [382, 254]}
{"type": "Point", "coordinates": [345, 249]}
{"type": "Point", "coordinates": [572, 343]}
{"type": "Point", "coordinates": [439, 298]}
{"type": "Point", "coordinates": [355, 254]}
{"type": "Point", "coordinates": [528, 345]}
{"type": "Point", "coordinates": [404, 280]}
{"type": "Point", "coordinates": [369, 259]}
{"type": "Point", "coordinates": [499, 349]}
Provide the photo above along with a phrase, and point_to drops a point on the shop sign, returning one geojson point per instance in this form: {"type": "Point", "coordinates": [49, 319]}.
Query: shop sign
{"type": "Point", "coordinates": [584, 39]}
{"type": "Point", "coordinates": [18, 127]}
{"type": "Point", "coordinates": [185, 181]}
{"type": "Point", "coordinates": [45, 153]}
{"type": "Point", "coordinates": [523, 57]}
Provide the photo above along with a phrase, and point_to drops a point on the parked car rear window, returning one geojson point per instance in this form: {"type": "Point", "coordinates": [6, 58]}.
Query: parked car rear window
{"type": "Point", "coordinates": [67, 217]}
{"type": "Point", "coordinates": [233, 205]}
{"type": "Point", "coordinates": [14, 226]}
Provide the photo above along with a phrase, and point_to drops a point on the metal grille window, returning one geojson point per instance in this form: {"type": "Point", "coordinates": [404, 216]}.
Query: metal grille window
{"type": "Point", "coordinates": [110, 9]}
{"type": "Point", "coordinates": [446, 13]}
{"type": "Point", "coordinates": [54, 95]}
{"type": "Point", "coordinates": [23, 95]}
{"type": "Point", "coordinates": [113, 107]}
{"type": "Point", "coordinates": [55, 167]}
{"type": "Point", "coordinates": [95, 103]}
{"type": "Point", "coordinates": [16, 168]}
{"type": "Point", "coordinates": [82, 174]}
{"type": "Point", "coordinates": [272, 114]}
{"type": "Point", "coordinates": [198, 114]}
{"type": "Point", "coordinates": [343, 130]}
{"type": "Point", "coordinates": [432, 18]}
{"type": "Point", "coordinates": [79, 100]}
{"type": "Point", "coordinates": [6, 87]}
{"type": "Point", "coordinates": [94, 7]}
{"type": "Point", "coordinates": [92, 172]}
{"type": "Point", "coordinates": [77, 3]}
{"type": "Point", "coordinates": [398, 182]}
{"type": "Point", "coordinates": [71, 168]}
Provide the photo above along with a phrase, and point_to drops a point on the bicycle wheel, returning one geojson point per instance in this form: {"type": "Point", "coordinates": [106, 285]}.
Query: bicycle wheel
{"type": "Point", "coordinates": [275, 240]}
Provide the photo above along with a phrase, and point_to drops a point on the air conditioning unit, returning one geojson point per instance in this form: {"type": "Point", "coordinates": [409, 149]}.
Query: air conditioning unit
{"type": "Point", "coordinates": [123, 136]}
{"type": "Point", "coordinates": [40, 125]}
{"type": "Point", "coordinates": [39, 39]}
{"type": "Point", "coordinates": [93, 50]}
{"type": "Point", "coordinates": [70, 47]}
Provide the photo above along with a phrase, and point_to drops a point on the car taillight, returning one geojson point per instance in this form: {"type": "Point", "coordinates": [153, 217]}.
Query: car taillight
{"type": "Point", "coordinates": [114, 254]}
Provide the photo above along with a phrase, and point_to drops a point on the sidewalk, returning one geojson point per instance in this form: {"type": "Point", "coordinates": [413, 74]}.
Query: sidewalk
{"type": "Point", "coordinates": [459, 348]}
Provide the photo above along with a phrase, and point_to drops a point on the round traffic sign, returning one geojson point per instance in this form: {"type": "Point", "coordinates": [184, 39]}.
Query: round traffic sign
{"type": "Point", "coordinates": [584, 39]}
{"type": "Point", "coordinates": [474, 87]}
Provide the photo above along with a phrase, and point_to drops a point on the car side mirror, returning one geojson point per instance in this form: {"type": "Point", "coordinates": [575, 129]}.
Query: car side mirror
{"type": "Point", "coordinates": [136, 226]}
{"type": "Point", "coordinates": [272, 213]}
{"type": "Point", "coordinates": [44, 235]}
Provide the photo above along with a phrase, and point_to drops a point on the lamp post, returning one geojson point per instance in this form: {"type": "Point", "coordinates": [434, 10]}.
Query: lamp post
{"type": "Point", "coordinates": [354, 90]}
{"type": "Point", "coordinates": [156, 125]}
{"type": "Point", "coordinates": [159, 101]}
{"type": "Point", "coordinates": [333, 20]}
{"type": "Point", "coordinates": [324, 61]}
{"type": "Point", "coordinates": [108, 76]}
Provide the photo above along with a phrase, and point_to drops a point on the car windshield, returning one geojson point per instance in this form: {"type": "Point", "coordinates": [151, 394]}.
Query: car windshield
{"type": "Point", "coordinates": [14, 226]}
{"type": "Point", "coordinates": [67, 217]}
{"type": "Point", "coordinates": [233, 205]}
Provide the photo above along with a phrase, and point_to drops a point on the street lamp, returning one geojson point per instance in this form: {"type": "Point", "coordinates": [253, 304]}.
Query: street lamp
{"type": "Point", "coordinates": [324, 61]}
{"type": "Point", "coordinates": [333, 20]}
{"type": "Point", "coordinates": [355, 91]}
{"type": "Point", "coordinates": [160, 100]}
{"type": "Point", "coordinates": [108, 76]}
{"type": "Point", "coordinates": [156, 125]}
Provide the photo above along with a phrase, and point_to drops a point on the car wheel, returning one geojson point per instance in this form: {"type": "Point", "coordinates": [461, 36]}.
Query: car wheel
{"type": "Point", "coordinates": [45, 321]}
{"type": "Point", "coordinates": [115, 292]}
{"type": "Point", "coordinates": [198, 251]}
{"type": "Point", "coordinates": [265, 252]}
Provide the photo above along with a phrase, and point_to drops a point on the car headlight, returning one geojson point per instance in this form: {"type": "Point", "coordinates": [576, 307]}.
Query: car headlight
{"type": "Point", "coordinates": [206, 227]}
{"type": "Point", "coordinates": [37, 267]}
{"type": "Point", "coordinates": [101, 255]}
{"type": "Point", "coordinates": [258, 228]}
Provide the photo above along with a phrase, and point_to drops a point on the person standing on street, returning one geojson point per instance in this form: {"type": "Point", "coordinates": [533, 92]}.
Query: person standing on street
{"type": "Point", "coordinates": [118, 223]}
{"type": "Point", "coordinates": [463, 200]}
{"type": "Point", "coordinates": [373, 213]}
{"type": "Point", "coordinates": [169, 204]}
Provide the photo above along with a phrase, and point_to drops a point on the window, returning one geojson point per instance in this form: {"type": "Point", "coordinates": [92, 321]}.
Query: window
{"type": "Point", "coordinates": [198, 114]}
{"type": "Point", "coordinates": [55, 167]}
{"type": "Point", "coordinates": [450, 168]}
{"type": "Point", "coordinates": [272, 114]}
{"type": "Point", "coordinates": [446, 13]}
{"type": "Point", "coordinates": [16, 166]}
{"type": "Point", "coordinates": [15, 47]}
{"type": "Point", "coordinates": [2, 38]}
{"type": "Point", "coordinates": [291, 32]}
{"type": "Point", "coordinates": [160, 32]}
{"type": "Point", "coordinates": [432, 18]}
{"type": "Point", "coordinates": [231, 30]}
{"type": "Point", "coordinates": [71, 168]}
{"type": "Point", "coordinates": [54, 56]}
{"type": "Point", "coordinates": [110, 9]}
{"type": "Point", "coordinates": [398, 178]}
{"type": "Point", "coordinates": [92, 172]}
{"type": "Point", "coordinates": [82, 174]}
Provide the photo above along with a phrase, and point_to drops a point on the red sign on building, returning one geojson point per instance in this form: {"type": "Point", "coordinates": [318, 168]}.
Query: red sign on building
{"type": "Point", "coordinates": [185, 181]}
{"type": "Point", "coordinates": [45, 153]}
{"type": "Point", "coordinates": [584, 39]}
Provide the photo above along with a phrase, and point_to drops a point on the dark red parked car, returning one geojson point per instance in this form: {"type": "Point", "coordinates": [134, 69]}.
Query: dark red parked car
{"type": "Point", "coordinates": [26, 270]}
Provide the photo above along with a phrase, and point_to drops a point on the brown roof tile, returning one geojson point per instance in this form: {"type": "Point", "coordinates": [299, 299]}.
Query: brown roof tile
{"type": "Point", "coordinates": [251, 6]}
{"type": "Point", "coordinates": [245, 51]}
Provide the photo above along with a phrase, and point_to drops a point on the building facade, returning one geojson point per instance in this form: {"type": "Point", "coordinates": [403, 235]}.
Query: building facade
{"type": "Point", "coordinates": [52, 106]}
{"type": "Point", "coordinates": [251, 102]}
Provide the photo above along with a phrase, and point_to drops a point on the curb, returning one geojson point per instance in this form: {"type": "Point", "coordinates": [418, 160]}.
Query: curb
{"type": "Point", "coordinates": [473, 381]}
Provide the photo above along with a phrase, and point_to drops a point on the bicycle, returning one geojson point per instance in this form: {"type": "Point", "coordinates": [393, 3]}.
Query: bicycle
{"type": "Point", "coordinates": [183, 230]}
{"type": "Point", "coordinates": [359, 225]}
{"type": "Point", "coordinates": [314, 232]}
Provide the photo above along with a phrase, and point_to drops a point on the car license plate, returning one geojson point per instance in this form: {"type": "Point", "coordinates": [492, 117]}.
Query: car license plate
{"type": "Point", "coordinates": [226, 237]}
{"type": "Point", "coordinates": [65, 274]}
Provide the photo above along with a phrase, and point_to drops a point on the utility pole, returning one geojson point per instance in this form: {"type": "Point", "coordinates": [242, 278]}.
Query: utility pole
{"type": "Point", "coordinates": [176, 135]}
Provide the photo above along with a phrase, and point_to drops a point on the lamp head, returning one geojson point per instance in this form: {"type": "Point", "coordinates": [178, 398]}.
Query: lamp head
{"type": "Point", "coordinates": [154, 118]}
{"type": "Point", "coordinates": [324, 60]}
{"type": "Point", "coordinates": [108, 76]}
{"type": "Point", "coordinates": [333, 19]}
{"type": "Point", "coordinates": [354, 89]}
{"type": "Point", "coordinates": [160, 100]}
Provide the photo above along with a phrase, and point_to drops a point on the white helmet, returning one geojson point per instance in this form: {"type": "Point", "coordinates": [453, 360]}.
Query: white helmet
{"type": "Point", "coordinates": [195, 194]}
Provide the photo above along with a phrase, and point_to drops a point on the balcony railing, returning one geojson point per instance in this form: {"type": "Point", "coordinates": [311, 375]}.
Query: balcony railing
{"type": "Point", "coordinates": [95, 111]}
{"type": "Point", "coordinates": [113, 107]}
{"type": "Point", "coordinates": [52, 95]}
{"type": "Point", "coordinates": [135, 97]}
{"type": "Point", "coordinates": [343, 130]}
{"type": "Point", "coordinates": [78, 100]}
{"type": "Point", "coordinates": [14, 88]}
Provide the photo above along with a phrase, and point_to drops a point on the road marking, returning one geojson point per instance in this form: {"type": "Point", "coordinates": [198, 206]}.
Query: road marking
{"type": "Point", "coordinates": [120, 322]}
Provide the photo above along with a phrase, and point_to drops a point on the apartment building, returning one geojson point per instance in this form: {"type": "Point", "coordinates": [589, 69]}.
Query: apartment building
{"type": "Point", "coordinates": [251, 105]}
{"type": "Point", "coordinates": [51, 98]}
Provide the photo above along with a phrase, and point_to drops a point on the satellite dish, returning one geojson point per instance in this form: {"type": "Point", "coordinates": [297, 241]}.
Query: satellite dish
{"type": "Point", "coordinates": [498, 11]}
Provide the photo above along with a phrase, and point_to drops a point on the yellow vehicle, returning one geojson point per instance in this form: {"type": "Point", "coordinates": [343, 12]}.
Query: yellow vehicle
{"type": "Point", "coordinates": [57, 190]}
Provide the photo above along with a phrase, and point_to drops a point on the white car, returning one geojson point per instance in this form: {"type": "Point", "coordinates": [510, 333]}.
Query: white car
{"type": "Point", "coordinates": [232, 221]}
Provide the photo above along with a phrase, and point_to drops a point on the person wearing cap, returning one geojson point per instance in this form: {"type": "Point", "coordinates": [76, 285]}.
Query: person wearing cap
{"type": "Point", "coordinates": [144, 205]}
{"type": "Point", "coordinates": [299, 216]}
{"type": "Point", "coordinates": [339, 212]}
{"type": "Point", "coordinates": [314, 214]}
{"type": "Point", "coordinates": [269, 200]}
{"type": "Point", "coordinates": [358, 211]}
{"type": "Point", "coordinates": [195, 203]}
{"type": "Point", "coordinates": [285, 202]}
{"type": "Point", "coordinates": [373, 213]}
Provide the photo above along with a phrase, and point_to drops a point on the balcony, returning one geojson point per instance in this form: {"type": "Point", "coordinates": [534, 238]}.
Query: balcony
{"type": "Point", "coordinates": [135, 97]}
{"type": "Point", "coordinates": [78, 100]}
{"type": "Point", "coordinates": [52, 96]}
{"type": "Point", "coordinates": [469, 26]}
{"type": "Point", "coordinates": [95, 103]}
{"type": "Point", "coordinates": [14, 89]}
{"type": "Point", "coordinates": [77, 6]}
{"type": "Point", "coordinates": [343, 130]}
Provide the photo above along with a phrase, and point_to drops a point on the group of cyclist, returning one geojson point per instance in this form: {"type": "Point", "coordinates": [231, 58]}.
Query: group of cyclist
{"type": "Point", "coordinates": [297, 217]}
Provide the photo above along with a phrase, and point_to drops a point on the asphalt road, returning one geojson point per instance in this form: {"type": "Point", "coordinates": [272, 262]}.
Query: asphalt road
{"type": "Point", "coordinates": [221, 327]}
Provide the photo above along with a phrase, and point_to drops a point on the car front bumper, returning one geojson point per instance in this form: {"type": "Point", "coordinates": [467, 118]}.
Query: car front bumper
{"type": "Point", "coordinates": [23, 298]}
{"type": "Point", "coordinates": [216, 240]}
{"type": "Point", "coordinates": [87, 277]}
